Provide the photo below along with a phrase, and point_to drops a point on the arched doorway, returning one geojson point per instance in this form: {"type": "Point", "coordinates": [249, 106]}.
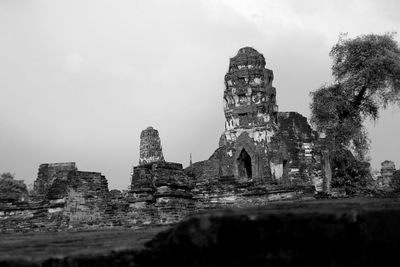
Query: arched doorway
{"type": "Point", "coordinates": [244, 164]}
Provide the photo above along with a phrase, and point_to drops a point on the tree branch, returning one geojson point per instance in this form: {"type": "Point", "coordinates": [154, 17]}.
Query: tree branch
{"type": "Point", "coordinates": [359, 97]}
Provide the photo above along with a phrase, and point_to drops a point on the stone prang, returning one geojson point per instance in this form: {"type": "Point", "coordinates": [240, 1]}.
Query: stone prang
{"type": "Point", "coordinates": [259, 143]}
{"type": "Point", "coordinates": [249, 97]}
{"type": "Point", "coordinates": [251, 117]}
{"type": "Point", "coordinates": [150, 146]}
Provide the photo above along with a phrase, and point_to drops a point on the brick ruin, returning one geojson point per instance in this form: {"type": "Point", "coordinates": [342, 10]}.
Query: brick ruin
{"type": "Point", "coordinates": [57, 181]}
{"type": "Point", "coordinates": [263, 155]}
{"type": "Point", "coordinates": [62, 197]}
{"type": "Point", "coordinates": [160, 190]}
{"type": "Point", "coordinates": [389, 176]}
{"type": "Point", "coordinates": [260, 144]}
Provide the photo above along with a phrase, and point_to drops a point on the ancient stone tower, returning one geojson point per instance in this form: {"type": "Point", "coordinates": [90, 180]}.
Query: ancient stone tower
{"type": "Point", "coordinates": [259, 145]}
{"type": "Point", "coordinates": [251, 115]}
{"type": "Point", "coordinates": [150, 146]}
{"type": "Point", "coordinates": [249, 97]}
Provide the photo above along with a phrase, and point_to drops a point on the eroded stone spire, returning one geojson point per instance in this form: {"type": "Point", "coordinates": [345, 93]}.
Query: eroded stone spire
{"type": "Point", "coordinates": [150, 146]}
{"type": "Point", "coordinates": [249, 97]}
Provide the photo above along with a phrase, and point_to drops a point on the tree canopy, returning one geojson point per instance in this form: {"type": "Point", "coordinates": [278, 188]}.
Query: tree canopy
{"type": "Point", "coordinates": [366, 72]}
{"type": "Point", "coordinates": [7, 175]}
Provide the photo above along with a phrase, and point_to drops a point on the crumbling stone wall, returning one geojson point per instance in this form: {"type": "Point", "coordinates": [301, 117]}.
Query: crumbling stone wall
{"type": "Point", "coordinates": [55, 180]}
{"type": "Point", "coordinates": [64, 197]}
{"type": "Point", "coordinates": [86, 196]}
{"type": "Point", "coordinates": [240, 194]}
{"type": "Point", "coordinates": [300, 162]}
{"type": "Point", "coordinates": [160, 193]}
{"type": "Point", "coordinates": [48, 173]}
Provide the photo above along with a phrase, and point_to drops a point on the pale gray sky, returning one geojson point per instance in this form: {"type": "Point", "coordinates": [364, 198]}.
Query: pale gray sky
{"type": "Point", "coordinates": [80, 79]}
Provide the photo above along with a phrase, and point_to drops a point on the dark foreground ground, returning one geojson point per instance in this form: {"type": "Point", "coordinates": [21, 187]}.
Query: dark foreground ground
{"type": "Point", "coordinates": [39, 247]}
{"type": "Point", "coordinates": [356, 232]}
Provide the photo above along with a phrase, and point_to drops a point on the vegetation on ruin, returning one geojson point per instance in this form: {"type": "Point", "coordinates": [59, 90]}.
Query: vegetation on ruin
{"type": "Point", "coordinates": [11, 189]}
{"type": "Point", "coordinates": [366, 72]}
{"type": "Point", "coordinates": [395, 183]}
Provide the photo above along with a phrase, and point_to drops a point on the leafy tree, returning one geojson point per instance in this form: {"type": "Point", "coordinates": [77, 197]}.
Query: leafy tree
{"type": "Point", "coordinates": [11, 189]}
{"type": "Point", "coordinates": [7, 175]}
{"type": "Point", "coordinates": [327, 106]}
{"type": "Point", "coordinates": [366, 73]}
{"type": "Point", "coordinates": [368, 70]}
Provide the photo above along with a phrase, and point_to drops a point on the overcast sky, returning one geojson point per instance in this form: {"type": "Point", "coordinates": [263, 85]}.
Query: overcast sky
{"type": "Point", "coordinates": [80, 79]}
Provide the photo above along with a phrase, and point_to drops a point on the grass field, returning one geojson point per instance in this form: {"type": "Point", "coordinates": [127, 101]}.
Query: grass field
{"type": "Point", "coordinates": [36, 247]}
